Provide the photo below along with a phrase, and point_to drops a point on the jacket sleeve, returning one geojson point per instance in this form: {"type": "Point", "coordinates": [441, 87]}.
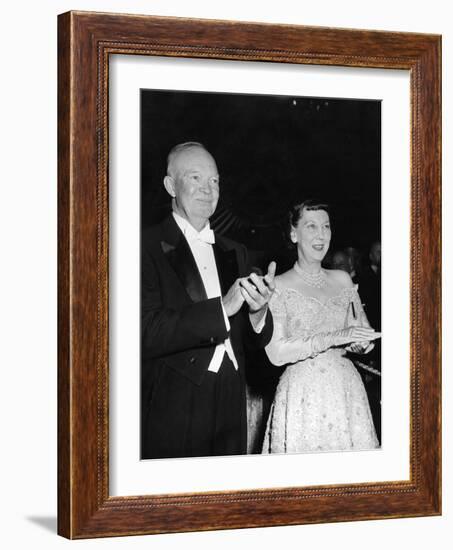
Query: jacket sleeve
{"type": "Point", "coordinates": [258, 340]}
{"type": "Point", "coordinates": [167, 330]}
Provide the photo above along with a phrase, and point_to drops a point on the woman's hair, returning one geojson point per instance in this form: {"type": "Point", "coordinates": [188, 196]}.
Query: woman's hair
{"type": "Point", "coordinates": [310, 204]}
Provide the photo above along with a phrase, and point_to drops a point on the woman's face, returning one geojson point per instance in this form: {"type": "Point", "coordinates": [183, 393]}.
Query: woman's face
{"type": "Point", "coordinates": [312, 235]}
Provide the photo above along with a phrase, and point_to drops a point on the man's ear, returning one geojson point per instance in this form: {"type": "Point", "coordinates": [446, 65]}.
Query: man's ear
{"type": "Point", "coordinates": [169, 184]}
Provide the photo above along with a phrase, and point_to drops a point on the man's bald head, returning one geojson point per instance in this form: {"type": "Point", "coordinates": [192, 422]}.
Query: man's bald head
{"type": "Point", "coordinates": [192, 181]}
{"type": "Point", "coordinates": [180, 151]}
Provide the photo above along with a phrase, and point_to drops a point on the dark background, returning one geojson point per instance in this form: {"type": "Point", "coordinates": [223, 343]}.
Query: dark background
{"type": "Point", "coordinates": [271, 152]}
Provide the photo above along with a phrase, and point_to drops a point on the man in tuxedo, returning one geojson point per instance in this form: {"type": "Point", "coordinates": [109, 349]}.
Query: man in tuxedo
{"type": "Point", "coordinates": [200, 302]}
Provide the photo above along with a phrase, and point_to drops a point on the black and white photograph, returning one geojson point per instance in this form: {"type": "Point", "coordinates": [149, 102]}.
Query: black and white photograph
{"type": "Point", "coordinates": [260, 274]}
{"type": "Point", "coordinates": [199, 346]}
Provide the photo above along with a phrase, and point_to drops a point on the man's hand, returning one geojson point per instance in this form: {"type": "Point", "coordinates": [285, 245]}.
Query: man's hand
{"type": "Point", "coordinates": [270, 276]}
{"type": "Point", "coordinates": [256, 290]}
{"type": "Point", "coordinates": [233, 299]}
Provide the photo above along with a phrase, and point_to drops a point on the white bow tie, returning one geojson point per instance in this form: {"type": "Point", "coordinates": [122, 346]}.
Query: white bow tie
{"type": "Point", "coordinates": [206, 235]}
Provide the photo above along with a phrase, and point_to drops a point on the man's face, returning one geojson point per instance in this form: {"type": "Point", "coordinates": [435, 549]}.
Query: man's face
{"type": "Point", "coordinates": [195, 185]}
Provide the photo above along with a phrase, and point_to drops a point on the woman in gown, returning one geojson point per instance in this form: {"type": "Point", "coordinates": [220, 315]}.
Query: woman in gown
{"type": "Point", "coordinates": [320, 403]}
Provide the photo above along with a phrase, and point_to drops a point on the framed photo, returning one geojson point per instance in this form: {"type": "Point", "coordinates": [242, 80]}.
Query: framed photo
{"type": "Point", "coordinates": [193, 400]}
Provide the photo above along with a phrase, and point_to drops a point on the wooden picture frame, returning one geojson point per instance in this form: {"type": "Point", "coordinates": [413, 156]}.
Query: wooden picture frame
{"type": "Point", "coordinates": [85, 41]}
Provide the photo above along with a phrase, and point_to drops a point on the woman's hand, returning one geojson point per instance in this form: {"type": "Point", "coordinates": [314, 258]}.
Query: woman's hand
{"type": "Point", "coordinates": [356, 335]}
{"type": "Point", "coordinates": [363, 348]}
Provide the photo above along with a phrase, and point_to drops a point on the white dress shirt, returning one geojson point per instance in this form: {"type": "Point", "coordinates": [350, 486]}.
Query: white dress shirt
{"type": "Point", "coordinates": [200, 244]}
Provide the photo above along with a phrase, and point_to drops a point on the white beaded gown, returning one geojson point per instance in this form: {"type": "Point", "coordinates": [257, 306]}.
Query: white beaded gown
{"type": "Point", "coordinates": [320, 403]}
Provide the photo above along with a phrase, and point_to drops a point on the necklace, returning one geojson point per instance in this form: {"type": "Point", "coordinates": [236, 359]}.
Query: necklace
{"type": "Point", "coordinates": [317, 280]}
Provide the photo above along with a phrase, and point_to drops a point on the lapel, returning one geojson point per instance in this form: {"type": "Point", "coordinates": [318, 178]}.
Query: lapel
{"type": "Point", "coordinates": [227, 266]}
{"type": "Point", "coordinates": [178, 253]}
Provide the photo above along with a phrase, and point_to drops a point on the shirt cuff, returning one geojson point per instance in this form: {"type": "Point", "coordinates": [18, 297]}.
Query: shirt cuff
{"type": "Point", "coordinates": [225, 317]}
{"type": "Point", "coordinates": [258, 319]}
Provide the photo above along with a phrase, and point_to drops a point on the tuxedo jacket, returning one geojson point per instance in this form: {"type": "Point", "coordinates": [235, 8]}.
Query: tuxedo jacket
{"type": "Point", "coordinates": [180, 325]}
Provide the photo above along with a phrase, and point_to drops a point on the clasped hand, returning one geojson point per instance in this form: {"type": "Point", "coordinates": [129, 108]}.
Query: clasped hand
{"type": "Point", "coordinates": [254, 290]}
{"type": "Point", "coordinates": [359, 338]}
